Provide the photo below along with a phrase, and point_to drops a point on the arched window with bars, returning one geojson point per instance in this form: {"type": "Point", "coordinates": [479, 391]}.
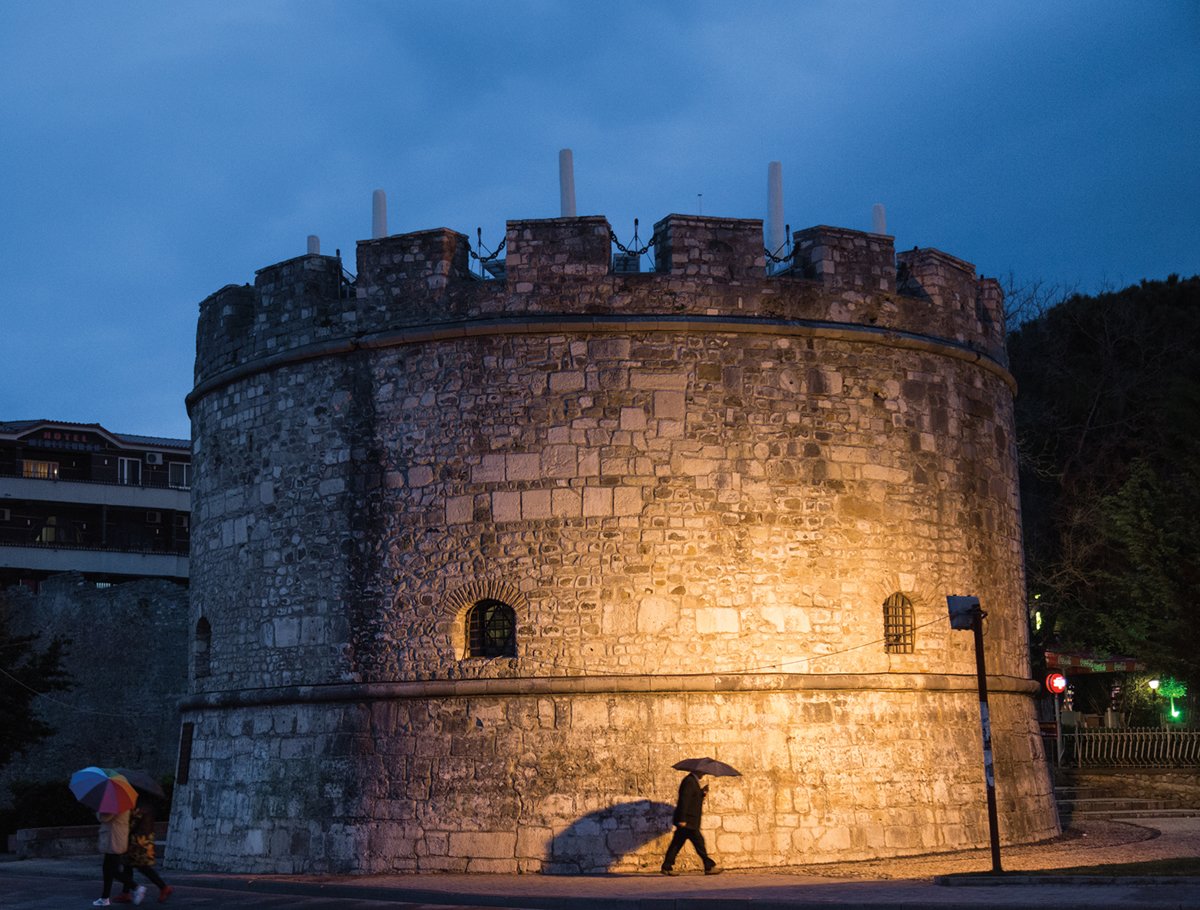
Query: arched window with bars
{"type": "Point", "coordinates": [491, 629]}
{"type": "Point", "coordinates": [899, 625]}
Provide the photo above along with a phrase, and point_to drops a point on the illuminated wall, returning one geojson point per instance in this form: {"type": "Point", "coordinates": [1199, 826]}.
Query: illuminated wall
{"type": "Point", "coordinates": [692, 491]}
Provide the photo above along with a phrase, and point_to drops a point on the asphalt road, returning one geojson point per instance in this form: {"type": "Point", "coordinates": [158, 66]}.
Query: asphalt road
{"type": "Point", "coordinates": [40, 893]}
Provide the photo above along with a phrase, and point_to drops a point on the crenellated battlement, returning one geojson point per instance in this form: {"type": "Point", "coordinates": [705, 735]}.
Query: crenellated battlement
{"type": "Point", "coordinates": [703, 266]}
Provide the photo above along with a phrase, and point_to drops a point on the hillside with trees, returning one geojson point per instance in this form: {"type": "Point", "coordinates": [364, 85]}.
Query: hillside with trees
{"type": "Point", "coordinates": [1108, 423]}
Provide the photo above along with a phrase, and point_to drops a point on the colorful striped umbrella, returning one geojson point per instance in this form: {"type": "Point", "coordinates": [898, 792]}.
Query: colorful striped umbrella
{"type": "Point", "coordinates": [103, 790]}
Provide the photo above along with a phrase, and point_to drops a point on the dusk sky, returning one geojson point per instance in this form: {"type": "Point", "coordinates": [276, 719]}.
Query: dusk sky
{"type": "Point", "coordinates": [152, 152]}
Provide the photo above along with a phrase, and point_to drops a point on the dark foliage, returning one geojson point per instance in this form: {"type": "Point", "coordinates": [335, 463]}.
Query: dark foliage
{"type": "Point", "coordinates": [1108, 423]}
{"type": "Point", "coordinates": [26, 671]}
{"type": "Point", "coordinates": [50, 804]}
{"type": "Point", "coordinates": [42, 804]}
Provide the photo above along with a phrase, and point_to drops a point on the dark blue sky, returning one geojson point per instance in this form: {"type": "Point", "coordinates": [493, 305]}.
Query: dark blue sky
{"type": "Point", "coordinates": [152, 152]}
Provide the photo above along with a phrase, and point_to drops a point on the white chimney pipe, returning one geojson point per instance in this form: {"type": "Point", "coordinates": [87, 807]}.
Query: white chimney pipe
{"type": "Point", "coordinates": [566, 182]}
{"type": "Point", "coordinates": [775, 232]}
{"type": "Point", "coordinates": [878, 218]}
{"type": "Point", "coordinates": [314, 245]}
{"type": "Point", "coordinates": [378, 214]}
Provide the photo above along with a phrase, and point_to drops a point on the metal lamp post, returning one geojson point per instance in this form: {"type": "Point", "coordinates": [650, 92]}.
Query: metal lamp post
{"type": "Point", "coordinates": [965, 613]}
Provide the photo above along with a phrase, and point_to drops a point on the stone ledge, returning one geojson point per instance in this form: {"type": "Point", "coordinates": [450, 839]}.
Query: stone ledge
{"type": "Point", "coordinates": [594, 685]}
{"type": "Point", "coordinates": [555, 324]}
{"type": "Point", "coordinates": [64, 840]}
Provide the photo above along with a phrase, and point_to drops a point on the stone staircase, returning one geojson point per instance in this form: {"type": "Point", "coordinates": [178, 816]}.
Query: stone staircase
{"type": "Point", "coordinates": [1149, 794]}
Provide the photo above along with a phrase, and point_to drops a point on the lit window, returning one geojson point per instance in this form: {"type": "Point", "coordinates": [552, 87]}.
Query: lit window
{"type": "Point", "coordinates": [898, 625]}
{"type": "Point", "coordinates": [40, 470]}
{"type": "Point", "coordinates": [491, 630]}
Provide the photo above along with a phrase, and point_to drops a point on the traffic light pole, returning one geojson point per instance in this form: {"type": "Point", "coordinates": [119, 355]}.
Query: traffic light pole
{"type": "Point", "coordinates": [985, 721]}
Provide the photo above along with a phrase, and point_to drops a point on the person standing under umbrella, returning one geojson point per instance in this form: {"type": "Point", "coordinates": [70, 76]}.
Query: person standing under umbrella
{"type": "Point", "coordinates": [688, 809]}
{"type": "Point", "coordinates": [113, 842]}
{"type": "Point", "coordinates": [110, 796]}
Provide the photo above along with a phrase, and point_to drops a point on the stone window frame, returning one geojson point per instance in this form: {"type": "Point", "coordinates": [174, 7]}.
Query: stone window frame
{"type": "Point", "coordinates": [202, 649]}
{"type": "Point", "coordinates": [459, 604]}
{"type": "Point", "coordinates": [899, 624]}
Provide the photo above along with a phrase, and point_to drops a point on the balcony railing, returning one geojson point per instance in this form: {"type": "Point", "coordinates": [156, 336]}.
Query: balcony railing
{"type": "Point", "coordinates": [66, 539]}
{"type": "Point", "coordinates": [163, 484]}
{"type": "Point", "coordinates": [1146, 747]}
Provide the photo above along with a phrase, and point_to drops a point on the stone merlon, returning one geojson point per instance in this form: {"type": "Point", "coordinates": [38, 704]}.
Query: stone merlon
{"type": "Point", "coordinates": [702, 266]}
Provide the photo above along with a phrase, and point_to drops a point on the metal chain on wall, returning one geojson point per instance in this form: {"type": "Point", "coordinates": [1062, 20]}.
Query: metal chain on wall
{"type": "Point", "coordinates": [775, 258]}
{"type": "Point", "coordinates": [485, 257]}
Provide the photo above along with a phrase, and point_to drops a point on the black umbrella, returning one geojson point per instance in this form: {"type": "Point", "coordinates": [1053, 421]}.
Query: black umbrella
{"type": "Point", "coordinates": [142, 781]}
{"type": "Point", "coordinates": [707, 766]}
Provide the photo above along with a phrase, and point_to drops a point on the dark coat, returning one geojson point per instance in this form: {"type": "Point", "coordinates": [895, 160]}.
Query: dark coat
{"type": "Point", "coordinates": [690, 803]}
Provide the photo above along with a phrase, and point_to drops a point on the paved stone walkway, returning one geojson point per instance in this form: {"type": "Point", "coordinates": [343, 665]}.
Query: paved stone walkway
{"type": "Point", "coordinates": [900, 883]}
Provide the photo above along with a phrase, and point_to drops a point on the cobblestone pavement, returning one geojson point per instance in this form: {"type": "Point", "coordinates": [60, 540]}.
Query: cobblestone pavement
{"type": "Point", "coordinates": [896, 883]}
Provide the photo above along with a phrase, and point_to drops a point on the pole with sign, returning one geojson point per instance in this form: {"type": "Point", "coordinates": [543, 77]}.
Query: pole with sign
{"type": "Point", "coordinates": [965, 613]}
{"type": "Point", "coordinates": [1057, 684]}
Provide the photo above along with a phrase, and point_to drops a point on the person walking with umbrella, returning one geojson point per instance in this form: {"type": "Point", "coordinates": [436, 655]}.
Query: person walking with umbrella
{"type": "Point", "coordinates": [140, 856]}
{"type": "Point", "coordinates": [689, 808]}
{"type": "Point", "coordinates": [111, 796]}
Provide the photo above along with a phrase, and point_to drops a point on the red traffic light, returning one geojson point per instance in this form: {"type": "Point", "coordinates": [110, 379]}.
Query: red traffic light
{"type": "Point", "coordinates": [1056, 683]}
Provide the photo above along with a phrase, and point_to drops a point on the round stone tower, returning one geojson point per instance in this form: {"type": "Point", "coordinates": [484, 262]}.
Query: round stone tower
{"type": "Point", "coordinates": [476, 561]}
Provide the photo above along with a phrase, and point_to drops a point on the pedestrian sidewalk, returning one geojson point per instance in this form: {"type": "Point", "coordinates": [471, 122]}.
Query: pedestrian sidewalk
{"type": "Point", "coordinates": [898, 883]}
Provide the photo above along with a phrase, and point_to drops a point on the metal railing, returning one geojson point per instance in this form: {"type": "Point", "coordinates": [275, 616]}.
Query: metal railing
{"type": "Point", "coordinates": [145, 482]}
{"type": "Point", "coordinates": [1141, 747]}
{"type": "Point", "coordinates": [116, 541]}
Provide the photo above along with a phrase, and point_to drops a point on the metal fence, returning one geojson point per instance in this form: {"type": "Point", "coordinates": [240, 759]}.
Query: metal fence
{"type": "Point", "coordinates": [1146, 747]}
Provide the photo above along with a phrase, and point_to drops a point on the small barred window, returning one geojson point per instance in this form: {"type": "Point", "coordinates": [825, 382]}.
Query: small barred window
{"type": "Point", "coordinates": [898, 625]}
{"type": "Point", "coordinates": [491, 630]}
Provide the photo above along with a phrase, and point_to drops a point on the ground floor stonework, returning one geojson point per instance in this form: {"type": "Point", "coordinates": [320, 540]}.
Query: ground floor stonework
{"type": "Point", "coordinates": [573, 775]}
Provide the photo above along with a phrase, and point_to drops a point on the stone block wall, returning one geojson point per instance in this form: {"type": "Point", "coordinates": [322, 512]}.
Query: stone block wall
{"type": "Point", "coordinates": [545, 252]}
{"type": "Point", "coordinates": [373, 492]}
{"type": "Point", "coordinates": [128, 660]}
{"type": "Point", "coordinates": [718, 249]}
{"type": "Point", "coordinates": [950, 283]}
{"type": "Point", "coordinates": [1136, 783]}
{"type": "Point", "coordinates": [582, 782]}
{"type": "Point", "coordinates": [839, 258]}
{"type": "Point", "coordinates": [224, 328]}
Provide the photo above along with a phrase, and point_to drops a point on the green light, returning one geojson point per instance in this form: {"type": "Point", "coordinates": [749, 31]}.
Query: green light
{"type": "Point", "coordinates": [1037, 620]}
{"type": "Point", "coordinates": [1172, 689]}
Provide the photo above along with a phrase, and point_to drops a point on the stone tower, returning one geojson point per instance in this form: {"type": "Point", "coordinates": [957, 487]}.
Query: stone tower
{"type": "Point", "coordinates": [475, 561]}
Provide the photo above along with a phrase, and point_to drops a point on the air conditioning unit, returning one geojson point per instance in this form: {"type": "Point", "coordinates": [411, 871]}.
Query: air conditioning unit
{"type": "Point", "coordinates": [154, 458]}
{"type": "Point", "coordinates": [154, 518]}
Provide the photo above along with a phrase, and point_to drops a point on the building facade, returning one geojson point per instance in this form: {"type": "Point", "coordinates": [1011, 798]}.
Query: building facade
{"type": "Point", "coordinates": [94, 538]}
{"type": "Point", "coordinates": [474, 562]}
{"type": "Point", "coordinates": [79, 498]}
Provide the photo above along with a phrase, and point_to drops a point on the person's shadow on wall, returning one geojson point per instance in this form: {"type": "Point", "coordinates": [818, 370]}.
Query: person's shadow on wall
{"type": "Point", "coordinates": [598, 841]}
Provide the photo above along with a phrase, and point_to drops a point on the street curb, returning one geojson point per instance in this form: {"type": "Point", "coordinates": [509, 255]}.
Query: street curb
{"type": "Point", "coordinates": [974, 879]}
